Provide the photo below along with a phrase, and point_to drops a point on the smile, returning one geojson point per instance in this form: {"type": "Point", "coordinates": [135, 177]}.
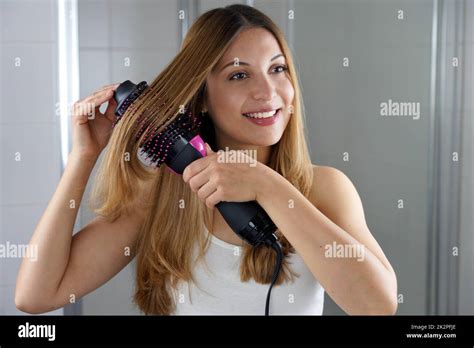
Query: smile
{"type": "Point", "coordinates": [264, 118]}
{"type": "Point", "coordinates": [267, 114]}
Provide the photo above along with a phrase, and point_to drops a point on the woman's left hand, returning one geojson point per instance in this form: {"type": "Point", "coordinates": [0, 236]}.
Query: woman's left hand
{"type": "Point", "coordinates": [214, 179]}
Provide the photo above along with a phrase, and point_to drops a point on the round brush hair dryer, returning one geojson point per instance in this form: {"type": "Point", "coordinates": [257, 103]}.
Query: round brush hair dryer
{"type": "Point", "coordinates": [177, 145]}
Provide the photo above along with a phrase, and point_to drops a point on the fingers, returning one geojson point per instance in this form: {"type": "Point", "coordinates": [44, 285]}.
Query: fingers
{"type": "Point", "coordinates": [199, 180]}
{"type": "Point", "coordinates": [103, 95]}
{"type": "Point", "coordinates": [81, 112]}
{"type": "Point", "coordinates": [110, 111]}
{"type": "Point", "coordinates": [100, 97]}
{"type": "Point", "coordinates": [90, 105]}
{"type": "Point", "coordinates": [195, 168]}
{"type": "Point", "coordinates": [105, 89]}
{"type": "Point", "coordinates": [206, 191]}
{"type": "Point", "coordinates": [113, 85]}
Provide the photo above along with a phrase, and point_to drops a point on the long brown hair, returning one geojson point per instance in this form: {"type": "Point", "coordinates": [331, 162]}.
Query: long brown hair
{"type": "Point", "coordinates": [168, 235]}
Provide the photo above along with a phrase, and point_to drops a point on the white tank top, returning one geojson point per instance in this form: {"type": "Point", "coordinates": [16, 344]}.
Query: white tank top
{"type": "Point", "coordinates": [220, 291]}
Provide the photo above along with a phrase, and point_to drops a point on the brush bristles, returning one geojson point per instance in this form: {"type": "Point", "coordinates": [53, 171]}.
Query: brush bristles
{"type": "Point", "coordinates": [158, 146]}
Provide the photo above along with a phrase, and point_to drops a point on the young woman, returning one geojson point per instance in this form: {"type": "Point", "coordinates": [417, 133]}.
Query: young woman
{"type": "Point", "coordinates": [236, 71]}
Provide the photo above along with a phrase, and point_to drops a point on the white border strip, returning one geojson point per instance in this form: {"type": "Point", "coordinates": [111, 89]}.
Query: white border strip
{"type": "Point", "coordinates": [68, 69]}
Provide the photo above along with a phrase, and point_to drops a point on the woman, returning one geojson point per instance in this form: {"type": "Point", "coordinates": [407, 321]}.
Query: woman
{"type": "Point", "coordinates": [236, 71]}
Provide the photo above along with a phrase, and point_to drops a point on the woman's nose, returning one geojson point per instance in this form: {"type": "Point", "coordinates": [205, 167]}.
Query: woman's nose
{"type": "Point", "coordinates": [264, 88]}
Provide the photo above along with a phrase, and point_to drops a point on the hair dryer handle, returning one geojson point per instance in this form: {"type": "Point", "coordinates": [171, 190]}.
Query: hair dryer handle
{"type": "Point", "coordinates": [247, 219]}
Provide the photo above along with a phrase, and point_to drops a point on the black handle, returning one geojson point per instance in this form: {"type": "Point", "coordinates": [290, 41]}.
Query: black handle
{"type": "Point", "coordinates": [247, 219]}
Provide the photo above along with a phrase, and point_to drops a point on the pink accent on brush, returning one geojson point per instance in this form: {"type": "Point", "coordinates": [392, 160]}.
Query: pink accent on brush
{"type": "Point", "coordinates": [199, 145]}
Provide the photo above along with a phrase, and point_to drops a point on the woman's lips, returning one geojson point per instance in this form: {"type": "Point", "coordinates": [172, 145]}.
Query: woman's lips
{"type": "Point", "coordinates": [265, 121]}
{"type": "Point", "coordinates": [262, 110]}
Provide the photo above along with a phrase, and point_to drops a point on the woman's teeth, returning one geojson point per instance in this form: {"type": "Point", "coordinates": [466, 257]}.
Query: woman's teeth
{"type": "Point", "coordinates": [261, 114]}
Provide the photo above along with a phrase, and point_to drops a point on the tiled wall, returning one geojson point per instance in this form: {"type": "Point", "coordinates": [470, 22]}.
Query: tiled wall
{"type": "Point", "coordinates": [389, 58]}
{"type": "Point", "coordinates": [30, 150]}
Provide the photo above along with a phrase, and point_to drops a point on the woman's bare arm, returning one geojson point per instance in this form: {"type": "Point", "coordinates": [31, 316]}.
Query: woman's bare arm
{"type": "Point", "coordinates": [98, 252]}
{"type": "Point", "coordinates": [68, 265]}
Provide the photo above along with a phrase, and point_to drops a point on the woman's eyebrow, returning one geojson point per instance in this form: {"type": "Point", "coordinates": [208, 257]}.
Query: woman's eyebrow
{"type": "Point", "coordinates": [244, 63]}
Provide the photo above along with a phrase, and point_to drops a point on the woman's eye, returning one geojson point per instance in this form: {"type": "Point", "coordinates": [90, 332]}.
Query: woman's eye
{"type": "Point", "coordinates": [242, 75]}
{"type": "Point", "coordinates": [283, 67]}
{"type": "Point", "coordinates": [239, 73]}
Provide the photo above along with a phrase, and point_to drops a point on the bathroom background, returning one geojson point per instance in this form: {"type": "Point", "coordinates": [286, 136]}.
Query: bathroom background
{"type": "Point", "coordinates": [414, 173]}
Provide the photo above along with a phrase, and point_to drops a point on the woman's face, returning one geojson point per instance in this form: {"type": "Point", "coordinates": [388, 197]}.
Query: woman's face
{"type": "Point", "coordinates": [250, 77]}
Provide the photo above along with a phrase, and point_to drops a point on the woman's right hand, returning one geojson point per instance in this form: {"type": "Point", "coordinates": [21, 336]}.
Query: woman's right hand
{"type": "Point", "coordinates": [91, 128]}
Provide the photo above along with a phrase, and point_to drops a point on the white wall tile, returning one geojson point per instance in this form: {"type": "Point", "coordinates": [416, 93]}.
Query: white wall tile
{"type": "Point", "coordinates": [115, 297]}
{"type": "Point", "coordinates": [2, 238]}
{"type": "Point", "coordinates": [28, 89]}
{"type": "Point", "coordinates": [1, 108]}
{"type": "Point", "coordinates": [277, 10]}
{"type": "Point", "coordinates": [94, 69]}
{"type": "Point", "coordinates": [144, 24]}
{"type": "Point", "coordinates": [35, 177]}
{"type": "Point", "coordinates": [93, 17]}
{"type": "Point", "coordinates": [17, 228]}
{"type": "Point", "coordinates": [28, 125]}
{"type": "Point", "coordinates": [389, 59]}
{"type": "Point", "coordinates": [28, 20]}
{"type": "Point", "coordinates": [206, 5]}
{"type": "Point", "coordinates": [143, 64]}
{"type": "Point", "coordinates": [1, 21]}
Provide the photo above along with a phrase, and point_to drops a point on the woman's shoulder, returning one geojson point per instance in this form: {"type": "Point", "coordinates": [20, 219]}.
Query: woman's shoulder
{"type": "Point", "coordinates": [325, 181]}
{"type": "Point", "coordinates": [334, 194]}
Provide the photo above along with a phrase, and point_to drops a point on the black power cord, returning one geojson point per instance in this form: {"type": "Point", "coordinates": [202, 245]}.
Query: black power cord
{"type": "Point", "coordinates": [278, 248]}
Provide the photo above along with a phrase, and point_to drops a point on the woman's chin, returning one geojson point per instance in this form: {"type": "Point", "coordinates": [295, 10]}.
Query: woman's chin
{"type": "Point", "coordinates": [266, 140]}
